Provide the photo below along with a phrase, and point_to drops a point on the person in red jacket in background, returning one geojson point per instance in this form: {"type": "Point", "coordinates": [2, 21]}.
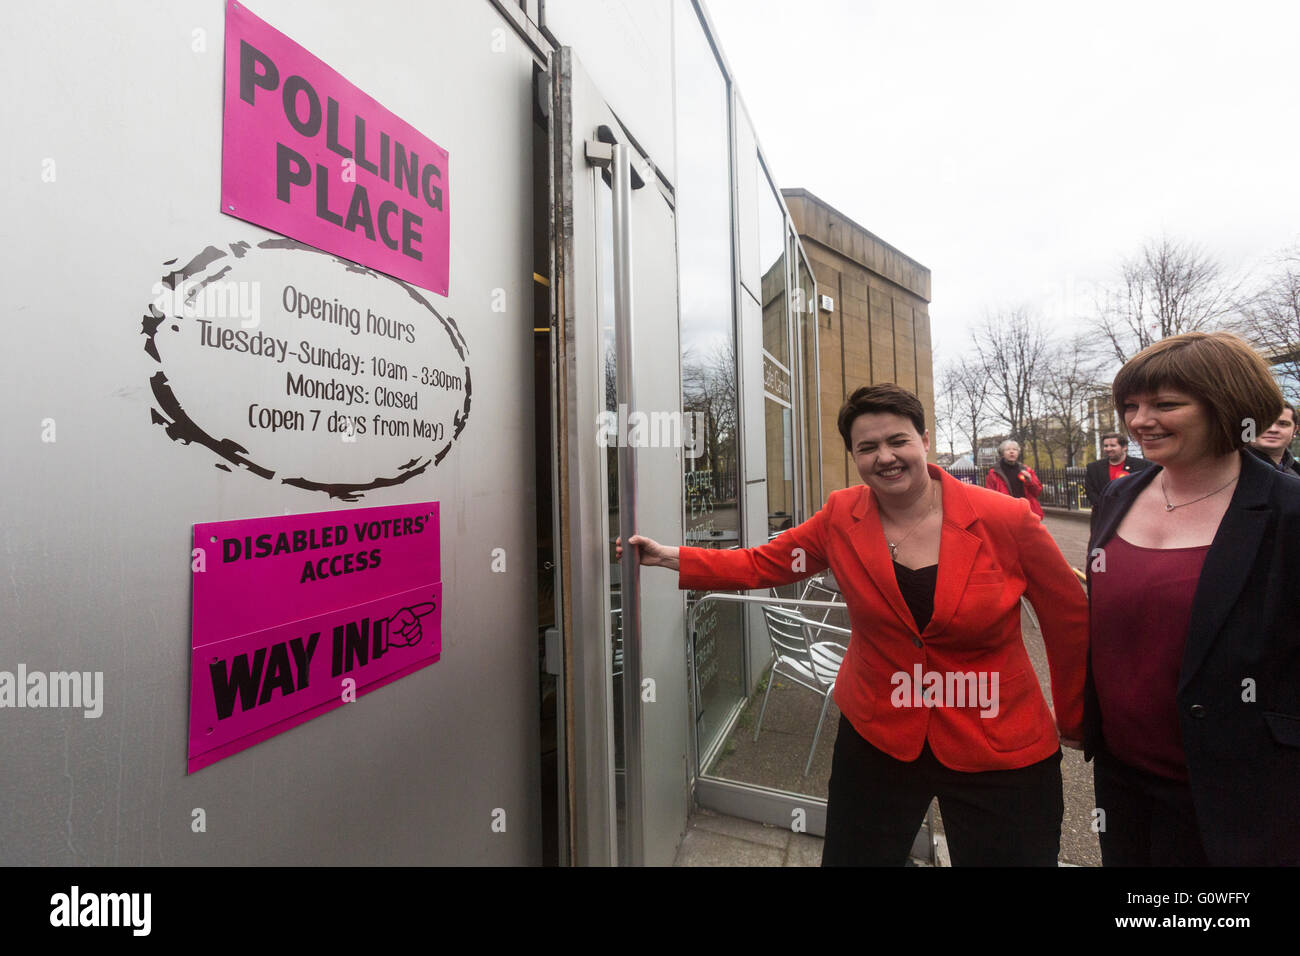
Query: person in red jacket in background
{"type": "Point", "coordinates": [1013, 477]}
{"type": "Point", "coordinates": [937, 693]}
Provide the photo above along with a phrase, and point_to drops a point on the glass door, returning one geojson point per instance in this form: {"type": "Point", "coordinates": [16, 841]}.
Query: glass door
{"type": "Point", "coordinates": [617, 365]}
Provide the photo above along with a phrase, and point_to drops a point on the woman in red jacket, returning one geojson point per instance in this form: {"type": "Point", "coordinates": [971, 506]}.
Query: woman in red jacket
{"type": "Point", "coordinates": [937, 692]}
{"type": "Point", "coordinates": [1013, 477]}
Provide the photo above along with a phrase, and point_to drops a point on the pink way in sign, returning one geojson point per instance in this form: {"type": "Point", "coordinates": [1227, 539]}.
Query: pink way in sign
{"type": "Point", "coordinates": [307, 154]}
{"type": "Point", "coordinates": [287, 609]}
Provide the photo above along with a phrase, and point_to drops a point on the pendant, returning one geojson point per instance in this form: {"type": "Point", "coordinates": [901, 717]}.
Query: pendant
{"type": "Point", "coordinates": [893, 551]}
{"type": "Point", "coordinates": [1170, 507]}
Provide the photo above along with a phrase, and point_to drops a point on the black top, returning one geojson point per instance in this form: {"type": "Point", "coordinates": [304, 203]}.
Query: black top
{"type": "Point", "coordinates": [1009, 470]}
{"type": "Point", "coordinates": [918, 591]}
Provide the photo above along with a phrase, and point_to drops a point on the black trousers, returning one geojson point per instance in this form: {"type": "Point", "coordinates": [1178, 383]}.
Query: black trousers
{"type": "Point", "coordinates": [1149, 820]}
{"type": "Point", "coordinates": [992, 818]}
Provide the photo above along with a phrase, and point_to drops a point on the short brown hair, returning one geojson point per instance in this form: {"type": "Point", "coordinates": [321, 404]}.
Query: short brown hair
{"type": "Point", "coordinates": [885, 398]}
{"type": "Point", "coordinates": [1220, 369]}
{"type": "Point", "coordinates": [1115, 435]}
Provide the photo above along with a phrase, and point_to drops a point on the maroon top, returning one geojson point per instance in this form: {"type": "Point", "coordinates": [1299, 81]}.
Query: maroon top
{"type": "Point", "coordinates": [1141, 610]}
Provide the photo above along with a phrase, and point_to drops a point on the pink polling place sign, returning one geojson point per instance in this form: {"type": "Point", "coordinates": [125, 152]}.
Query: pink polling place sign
{"type": "Point", "coordinates": [294, 614]}
{"type": "Point", "coordinates": [307, 154]}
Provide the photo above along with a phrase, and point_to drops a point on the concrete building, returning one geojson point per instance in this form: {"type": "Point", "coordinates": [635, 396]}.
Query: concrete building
{"type": "Point", "coordinates": [878, 328]}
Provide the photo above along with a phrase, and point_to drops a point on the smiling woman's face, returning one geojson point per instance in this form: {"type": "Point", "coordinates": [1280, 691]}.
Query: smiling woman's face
{"type": "Point", "coordinates": [890, 454]}
{"type": "Point", "coordinates": [1172, 426]}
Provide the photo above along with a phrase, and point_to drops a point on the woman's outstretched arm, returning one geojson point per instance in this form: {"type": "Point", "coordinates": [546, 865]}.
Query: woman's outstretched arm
{"type": "Point", "coordinates": [792, 555]}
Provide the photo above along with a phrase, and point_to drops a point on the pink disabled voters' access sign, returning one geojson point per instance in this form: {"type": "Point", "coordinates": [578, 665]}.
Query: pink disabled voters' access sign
{"type": "Point", "coordinates": [297, 615]}
{"type": "Point", "coordinates": [306, 154]}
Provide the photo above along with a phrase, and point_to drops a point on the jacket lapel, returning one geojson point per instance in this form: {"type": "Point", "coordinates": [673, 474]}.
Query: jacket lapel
{"type": "Point", "coordinates": [957, 550]}
{"type": "Point", "coordinates": [868, 539]}
{"type": "Point", "coordinates": [1114, 506]}
{"type": "Point", "coordinates": [1228, 562]}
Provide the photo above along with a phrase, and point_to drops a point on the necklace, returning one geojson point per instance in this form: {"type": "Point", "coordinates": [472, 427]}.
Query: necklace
{"type": "Point", "coordinates": [1170, 506]}
{"type": "Point", "coordinates": [895, 545]}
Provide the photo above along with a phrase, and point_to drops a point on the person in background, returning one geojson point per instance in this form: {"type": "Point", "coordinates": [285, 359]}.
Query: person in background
{"type": "Point", "coordinates": [1116, 463]}
{"type": "Point", "coordinates": [933, 572]}
{"type": "Point", "coordinates": [1013, 477]}
{"type": "Point", "coordinates": [1274, 446]}
{"type": "Point", "coordinates": [1192, 713]}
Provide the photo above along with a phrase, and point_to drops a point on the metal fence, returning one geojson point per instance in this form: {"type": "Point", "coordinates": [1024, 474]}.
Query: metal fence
{"type": "Point", "coordinates": [1062, 487]}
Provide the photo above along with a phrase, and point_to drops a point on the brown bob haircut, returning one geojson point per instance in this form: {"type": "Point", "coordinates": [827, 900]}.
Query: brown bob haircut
{"type": "Point", "coordinates": [1220, 370]}
{"type": "Point", "coordinates": [886, 398]}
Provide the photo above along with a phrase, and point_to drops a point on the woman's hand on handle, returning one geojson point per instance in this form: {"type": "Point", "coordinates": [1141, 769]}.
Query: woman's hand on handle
{"type": "Point", "coordinates": [651, 553]}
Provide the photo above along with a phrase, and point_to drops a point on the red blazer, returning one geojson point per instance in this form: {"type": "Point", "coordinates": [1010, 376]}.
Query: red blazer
{"type": "Point", "coordinates": [992, 550]}
{"type": "Point", "coordinates": [1033, 487]}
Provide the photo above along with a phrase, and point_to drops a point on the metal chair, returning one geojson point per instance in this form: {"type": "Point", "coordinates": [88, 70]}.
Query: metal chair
{"type": "Point", "coordinates": [816, 589]}
{"type": "Point", "coordinates": [798, 657]}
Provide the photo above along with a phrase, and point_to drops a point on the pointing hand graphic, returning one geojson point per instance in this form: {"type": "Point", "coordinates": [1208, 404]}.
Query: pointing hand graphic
{"type": "Point", "coordinates": [404, 628]}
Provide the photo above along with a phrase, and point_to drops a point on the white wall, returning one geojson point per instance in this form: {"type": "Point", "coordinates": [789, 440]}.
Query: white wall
{"type": "Point", "coordinates": [96, 525]}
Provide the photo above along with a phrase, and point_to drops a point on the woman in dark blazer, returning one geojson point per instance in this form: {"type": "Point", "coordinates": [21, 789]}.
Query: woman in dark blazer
{"type": "Point", "coordinates": [1192, 707]}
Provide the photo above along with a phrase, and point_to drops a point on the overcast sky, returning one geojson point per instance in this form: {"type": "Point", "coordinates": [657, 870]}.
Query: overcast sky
{"type": "Point", "coordinates": [1019, 150]}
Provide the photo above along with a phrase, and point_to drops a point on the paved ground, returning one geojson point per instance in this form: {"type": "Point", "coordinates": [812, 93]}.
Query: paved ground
{"type": "Point", "coordinates": [1078, 842]}
{"type": "Point", "coordinates": [716, 840]}
{"type": "Point", "coordinates": [777, 761]}
{"type": "Point", "coordinates": [1071, 536]}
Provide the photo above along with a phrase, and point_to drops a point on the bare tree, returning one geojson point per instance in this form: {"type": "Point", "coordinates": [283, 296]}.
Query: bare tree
{"type": "Point", "coordinates": [1169, 288]}
{"type": "Point", "coordinates": [1070, 378]}
{"type": "Point", "coordinates": [964, 402]}
{"type": "Point", "coordinates": [1011, 348]}
{"type": "Point", "coordinates": [1042, 438]}
{"type": "Point", "coordinates": [946, 431]}
{"type": "Point", "coordinates": [1271, 320]}
{"type": "Point", "coordinates": [709, 387]}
